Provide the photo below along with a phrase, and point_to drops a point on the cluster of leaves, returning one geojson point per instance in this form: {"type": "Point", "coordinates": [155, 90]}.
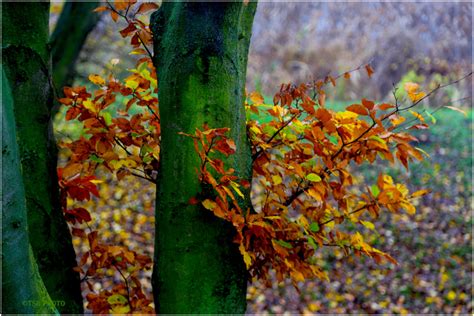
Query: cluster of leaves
{"type": "Point", "coordinates": [123, 144]}
{"type": "Point", "coordinates": [302, 158]}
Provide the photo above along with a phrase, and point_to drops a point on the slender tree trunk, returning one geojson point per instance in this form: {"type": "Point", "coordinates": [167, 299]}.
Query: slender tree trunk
{"type": "Point", "coordinates": [201, 58]}
{"type": "Point", "coordinates": [23, 290]}
{"type": "Point", "coordinates": [26, 63]}
{"type": "Point", "coordinates": [76, 21]}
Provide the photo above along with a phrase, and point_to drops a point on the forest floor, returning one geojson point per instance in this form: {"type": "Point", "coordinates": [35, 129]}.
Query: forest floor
{"type": "Point", "coordinates": [433, 248]}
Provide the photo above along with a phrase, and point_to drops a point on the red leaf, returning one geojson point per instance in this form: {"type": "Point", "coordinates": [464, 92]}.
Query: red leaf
{"type": "Point", "coordinates": [129, 29]}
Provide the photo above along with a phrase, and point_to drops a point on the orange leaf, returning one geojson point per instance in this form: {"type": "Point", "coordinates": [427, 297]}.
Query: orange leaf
{"type": "Point", "coordinates": [347, 75]}
{"type": "Point", "coordinates": [357, 108]}
{"type": "Point", "coordinates": [121, 5]}
{"type": "Point", "coordinates": [96, 79]}
{"type": "Point", "coordinates": [321, 98]}
{"type": "Point", "coordinates": [369, 70]}
{"type": "Point", "coordinates": [101, 8]}
{"type": "Point", "coordinates": [147, 6]}
{"type": "Point", "coordinates": [256, 98]}
{"type": "Point", "coordinates": [385, 106]}
{"type": "Point", "coordinates": [114, 15]}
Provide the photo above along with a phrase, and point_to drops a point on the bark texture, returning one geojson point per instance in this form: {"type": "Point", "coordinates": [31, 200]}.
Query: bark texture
{"type": "Point", "coordinates": [26, 64]}
{"type": "Point", "coordinates": [76, 21]}
{"type": "Point", "coordinates": [201, 58]}
{"type": "Point", "coordinates": [23, 290]}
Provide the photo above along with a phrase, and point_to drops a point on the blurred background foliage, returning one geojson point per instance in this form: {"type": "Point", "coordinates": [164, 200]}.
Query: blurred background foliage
{"type": "Point", "coordinates": [427, 43]}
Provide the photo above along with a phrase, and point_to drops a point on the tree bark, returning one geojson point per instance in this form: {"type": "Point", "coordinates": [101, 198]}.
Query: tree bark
{"type": "Point", "coordinates": [76, 21]}
{"type": "Point", "coordinates": [201, 58]}
{"type": "Point", "coordinates": [26, 64]}
{"type": "Point", "coordinates": [23, 290]}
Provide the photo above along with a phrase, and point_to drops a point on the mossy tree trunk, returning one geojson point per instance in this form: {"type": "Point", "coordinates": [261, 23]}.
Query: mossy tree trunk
{"type": "Point", "coordinates": [23, 290]}
{"type": "Point", "coordinates": [201, 58]}
{"type": "Point", "coordinates": [76, 21]}
{"type": "Point", "coordinates": [26, 64]}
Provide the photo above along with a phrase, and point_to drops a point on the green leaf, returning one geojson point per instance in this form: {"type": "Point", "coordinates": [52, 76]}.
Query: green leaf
{"type": "Point", "coordinates": [375, 190]}
{"type": "Point", "coordinates": [377, 138]}
{"type": "Point", "coordinates": [283, 243]}
{"type": "Point", "coordinates": [117, 299]}
{"type": "Point", "coordinates": [433, 119]}
{"type": "Point", "coordinates": [312, 243]}
{"type": "Point", "coordinates": [107, 118]}
{"type": "Point", "coordinates": [332, 139]}
{"type": "Point", "coordinates": [94, 158]}
{"type": "Point", "coordinates": [314, 227]}
{"type": "Point", "coordinates": [313, 177]}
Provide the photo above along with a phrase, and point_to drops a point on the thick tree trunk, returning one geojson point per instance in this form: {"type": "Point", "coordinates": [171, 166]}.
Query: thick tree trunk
{"type": "Point", "coordinates": [23, 290]}
{"type": "Point", "coordinates": [76, 21]}
{"type": "Point", "coordinates": [26, 63]}
{"type": "Point", "coordinates": [201, 58]}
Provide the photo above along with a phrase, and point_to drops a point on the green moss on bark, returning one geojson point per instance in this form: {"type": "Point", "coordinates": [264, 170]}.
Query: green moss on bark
{"type": "Point", "coordinates": [23, 290]}
{"type": "Point", "coordinates": [26, 64]}
{"type": "Point", "coordinates": [201, 58]}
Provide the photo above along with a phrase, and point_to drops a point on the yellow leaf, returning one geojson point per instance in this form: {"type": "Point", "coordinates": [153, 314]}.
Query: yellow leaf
{"type": "Point", "coordinates": [409, 208]}
{"type": "Point", "coordinates": [120, 309]}
{"type": "Point", "coordinates": [417, 115]}
{"type": "Point", "coordinates": [412, 91]}
{"type": "Point", "coordinates": [256, 98]}
{"type": "Point", "coordinates": [415, 97]}
{"type": "Point", "coordinates": [420, 193]}
{"type": "Point", "coordinates": [235, 186]}
{"type": "Point", "coordinates": [297, 276]}
{"type": "Point", "coordinates": [397, 120]}
{"type": "Point", "coordinates": [96, 79]}
{"type": "Point", "coordinates": [208, 204]}
{"type": "Point", "coordinates": [245, 254]}
{"type": "Point", "coordinates": [90, 106]}
{"type": "Point", "coordinates": [132, 84]}
{"type": "Point", "coordinates": [411, 87]}
{"type": "Point", "coordinates": [367, 224]}
{"type": "Point", "coordinates": [451, 295]}
{"type": "Point", "coordinates": [277, 180]}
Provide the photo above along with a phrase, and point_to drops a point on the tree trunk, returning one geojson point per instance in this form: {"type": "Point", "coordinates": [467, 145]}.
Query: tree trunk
{"type": "Point", "coordinates": [26, 63]}
{"type": "Point", "coordinates": [76, 21]}
{"type": "Point", "coordinates": [23, 290]}
{"type": "Point", "coordinates": [201, 58]}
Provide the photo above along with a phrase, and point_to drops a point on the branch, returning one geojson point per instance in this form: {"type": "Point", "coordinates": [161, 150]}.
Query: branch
{"type": "Point", "coordinates": [298, 192]}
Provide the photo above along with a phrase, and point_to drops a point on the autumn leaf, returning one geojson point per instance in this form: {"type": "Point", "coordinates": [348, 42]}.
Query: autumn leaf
{"type": "Point", "coordinates": [313, 177]}
{"type": "Point", "coordinates": [357, 108]}
{"type": "Point", "coordinates": [209, 204]}
{"type": "Point", "coordinates": [96, 79]}
{"type": "Point", "coordinates": [147, 6]}
{"type": "Point", "coordinates": [256, 98]}
{"type": "Point", "coordinates": [412, 91]}
{"type": "Point", "coordinates": [369, 70]}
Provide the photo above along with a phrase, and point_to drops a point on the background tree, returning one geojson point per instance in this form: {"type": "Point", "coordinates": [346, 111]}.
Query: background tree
{"type": "Point", "coordinates": [76, 21]}
{"type": "Point", "coordinates": [201, 60]}
{"type": "Point", "coordinates": [26, 63]}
